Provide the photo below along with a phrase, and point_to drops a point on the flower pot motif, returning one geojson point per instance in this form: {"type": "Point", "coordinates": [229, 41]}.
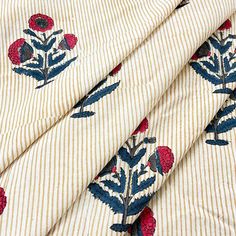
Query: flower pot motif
{"type": "Point", "coordinates": [142, 127]}
{"type": "Point", "coordinates": [226, 25]}
{"type": "Point", "coordinates": [20, 51]}
{"type": "Point", "coordinates": [161, 160]}
{"type": "Point", "coordinates": [49, 58]}
{"type": "Point", "coordinates": [3, 200]}
{"type": "Point", "coordinates": [145, 225]}
{"type": "Point", "coordinates": [68, 42]}
{"type": "Point", "coordinates": [41, 23]}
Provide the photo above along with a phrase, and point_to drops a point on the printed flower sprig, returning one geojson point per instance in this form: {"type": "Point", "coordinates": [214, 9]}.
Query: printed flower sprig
{"type": "Point", "coordinates": [218, 68]}
{"type": "Point", "coordinates": [42, 58]}
{"type": "Point", "coordinates": [126, 184]}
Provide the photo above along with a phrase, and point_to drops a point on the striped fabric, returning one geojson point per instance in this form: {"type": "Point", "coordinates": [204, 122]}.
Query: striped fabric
{"type": "Point", "coordinates": [49, 155]}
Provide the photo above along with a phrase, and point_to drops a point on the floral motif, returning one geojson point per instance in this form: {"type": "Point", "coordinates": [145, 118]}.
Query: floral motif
{"type": "Point", "coordinates": [217, 68]}
{"type": "Point", "coordinates": [41, 58]}
{"type": "Point", "coordinates": [145, 225]}
{"type": "Point", "coordinates": [3, 200]}
{"type": "Point", "coordinates": [40, 22]}
{"type": "Point", "coordinates": [96, 94]}
{"type": "Point", "coordinates": [123, 188]}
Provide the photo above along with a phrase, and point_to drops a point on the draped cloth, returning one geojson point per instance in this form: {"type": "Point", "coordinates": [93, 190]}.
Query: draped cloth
{"type": "Point", "coordinates": [118, 117]}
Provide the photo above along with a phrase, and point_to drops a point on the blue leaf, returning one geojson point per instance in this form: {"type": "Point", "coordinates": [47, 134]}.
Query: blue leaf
{"type": "Point", "coordinates": [138, 205]}
{"type": "Point", "coordinates": [231, 77]}
{"type": "Point", "coordinates": [226, 65]}
{"type": "Point", "coordinates": [38, 75]}
{"type": "Point", "coordinates": [212, 67]}
{"type": "Point", "coordinates": [218, 142]}
{"type": "Point", "coordinates": [117, 188]}
{"type": "Point", "coordinates": [203, 72]}
{"type": "Point", "coordinates": [112, 186]}
{"type": "Point", "coordinates": [126, 157]}
{"type": "Point", "coordinates": [101, 194]}
{"type": "Point", "coordinates": [57, 70]}
{"type": "Point", "coordinates": [29, 32]}
{"type": "Point", "coordinates": [223, 91]}
{"type": "Point", "coordinates": [226, 111]}
{"type": "Point", "coordinates": [226, 125]}
{"type": "Point", "coordinates": [210, 128]}
{"type": "Point", "coordinates": [145, 184]}
{"type": "Point", "coordinates": [57, 59]}
{"type": "Point", "coordinates": [221, 48]}
{"type": "Point", "coordinates": [43, 47]}
{"type": "Point", "coordinates": [121, 228]}
{"type": "Point", "coordinates": [100, 94]}
{"type": "Point", "coordinates": [37, 65]}
{"type": "Point", "coordinates": [122, 179]}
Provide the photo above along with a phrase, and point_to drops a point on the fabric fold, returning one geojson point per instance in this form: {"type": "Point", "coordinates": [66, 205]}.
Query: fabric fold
{"type": "Point", "coordinates": [124, 33]}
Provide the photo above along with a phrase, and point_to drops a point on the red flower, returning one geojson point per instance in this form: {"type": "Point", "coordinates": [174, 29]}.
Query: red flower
{"type": "Point", "coordinates": [3, 200]}
{"type": "Point", "coordinates": [68, 42]}
{"type": "Point", "coordinates": [115, 70]}
{"type": "Point", "coordinates": [147, 222]}
{"type": "Point", "coordinates": [145, 225]}
{"type": "Point", "coordinates": [20, 51]}
{"type": "Point", "coordinates": [142, 127]}
{"type": "Point", "coordinates": [226, 25]}
{"type": "Point", "coordinates": [161, 160]}
{"type": "Point", "coordinates": [166, 158]}
{"type": "Point", "coordinates": [202, 51]}
{"type": "Point", "coordinates": [40, 22]}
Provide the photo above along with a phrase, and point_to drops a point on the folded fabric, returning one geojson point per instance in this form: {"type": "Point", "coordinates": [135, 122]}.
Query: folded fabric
{"type": "Point", "coordinates": [73, 161]}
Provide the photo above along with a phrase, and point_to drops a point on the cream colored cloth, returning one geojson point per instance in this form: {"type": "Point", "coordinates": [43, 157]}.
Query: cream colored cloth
{"type": "Point", "coordinates": [49, 155]}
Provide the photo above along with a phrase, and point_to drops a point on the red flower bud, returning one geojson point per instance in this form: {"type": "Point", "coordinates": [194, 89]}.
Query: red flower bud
{"type": "Point", "coordinates": [68, 42]}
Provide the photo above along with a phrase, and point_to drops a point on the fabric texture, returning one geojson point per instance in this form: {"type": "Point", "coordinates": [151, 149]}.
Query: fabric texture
{"type": "Point", "coordinates": [118, 117]}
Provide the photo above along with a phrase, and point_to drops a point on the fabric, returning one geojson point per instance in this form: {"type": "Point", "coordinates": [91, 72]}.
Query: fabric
{"type": "Point", "coordinates": [118, 117]}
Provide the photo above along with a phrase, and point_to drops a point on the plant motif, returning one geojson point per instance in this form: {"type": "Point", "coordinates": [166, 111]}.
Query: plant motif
{"type": "Point", "coordinates": [96, 94]}
{"type": "Point", "coordinates": [145, 224]}
{"type": "Point", "coordinates": [182, 4]}
{"type": "Point", "coordinates": [220, 69]}
{"type": "Point", "coordinates": [41, 58]}
{"type": "Point", "coordinates": [123, 189]}
{"type": "Point", "coordinates": [221, 123]}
